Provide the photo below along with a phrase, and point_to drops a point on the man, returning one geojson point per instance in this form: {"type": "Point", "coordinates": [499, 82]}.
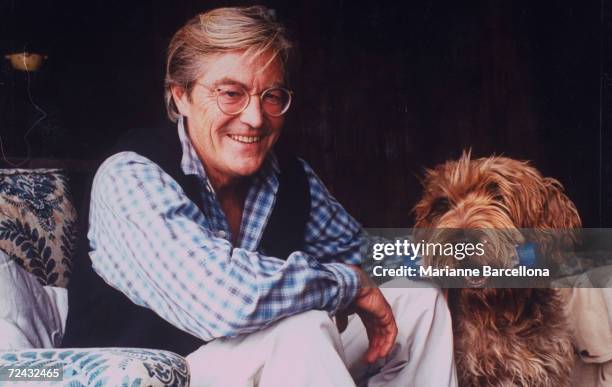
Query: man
{"type": "Point", "coordinates": [209, 231]}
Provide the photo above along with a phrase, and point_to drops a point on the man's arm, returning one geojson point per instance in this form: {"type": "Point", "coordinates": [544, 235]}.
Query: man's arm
{"type": "Point", "coordinates": [152, 243]}
{"type": "Point", "coordinates": [332, 235]}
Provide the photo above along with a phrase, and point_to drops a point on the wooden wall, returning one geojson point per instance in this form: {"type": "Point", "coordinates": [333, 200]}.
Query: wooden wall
{"type": "Point", "coordinates": [383, 89]}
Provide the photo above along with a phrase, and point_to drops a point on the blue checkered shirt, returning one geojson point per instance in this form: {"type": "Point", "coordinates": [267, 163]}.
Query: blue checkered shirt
{"type": "Point", "coordinates": [151, 242]}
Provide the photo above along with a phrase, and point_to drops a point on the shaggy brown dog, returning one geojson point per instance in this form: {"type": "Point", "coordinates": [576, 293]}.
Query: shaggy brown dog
{"type": "Point", "coordinates": [503, 337]}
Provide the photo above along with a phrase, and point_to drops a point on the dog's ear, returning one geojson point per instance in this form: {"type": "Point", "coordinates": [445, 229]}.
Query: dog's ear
{"type": "Point", "coordinates": [559, 211]}
{"type": "Point", "coordinates": [560, 216]}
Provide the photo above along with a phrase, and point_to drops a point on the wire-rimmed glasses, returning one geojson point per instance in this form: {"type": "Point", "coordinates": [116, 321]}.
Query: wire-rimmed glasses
{"type": "Point", "coordinates": [233, 99]}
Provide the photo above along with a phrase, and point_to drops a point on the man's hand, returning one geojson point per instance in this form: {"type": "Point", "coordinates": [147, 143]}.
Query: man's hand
{"type": "Point", "coordinates": [376, 315]}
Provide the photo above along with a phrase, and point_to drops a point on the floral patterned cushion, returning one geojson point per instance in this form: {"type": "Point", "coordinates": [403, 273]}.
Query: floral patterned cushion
{"type": "Point", "coordinates": [38, 222]}
{"type": "Point", "coordinates": [101, 367]}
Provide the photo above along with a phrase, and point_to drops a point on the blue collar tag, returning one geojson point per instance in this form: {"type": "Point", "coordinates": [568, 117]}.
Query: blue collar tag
{"type": "Point", "coordinates": [527, 254]}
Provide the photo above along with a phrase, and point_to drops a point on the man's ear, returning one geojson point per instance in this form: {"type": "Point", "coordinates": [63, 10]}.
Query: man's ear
{"type": "Point", "coordinates": [181, 99]}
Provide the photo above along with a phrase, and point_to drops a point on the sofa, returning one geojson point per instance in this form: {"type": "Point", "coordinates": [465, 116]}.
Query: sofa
{"type": "Point", "coordinates": [38, 232]}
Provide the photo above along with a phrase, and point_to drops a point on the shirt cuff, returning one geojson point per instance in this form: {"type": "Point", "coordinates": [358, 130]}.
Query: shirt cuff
{"type": "Point", "coordinates": [348, 285]}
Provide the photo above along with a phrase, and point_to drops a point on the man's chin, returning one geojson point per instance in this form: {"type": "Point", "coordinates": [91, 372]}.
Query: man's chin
{"type": "Point", "coordinates": [247, 168]}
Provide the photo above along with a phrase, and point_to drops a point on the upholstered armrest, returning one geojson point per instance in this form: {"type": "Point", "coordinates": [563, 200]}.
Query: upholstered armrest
{"type": "Point", "coordinates": [104, 366]}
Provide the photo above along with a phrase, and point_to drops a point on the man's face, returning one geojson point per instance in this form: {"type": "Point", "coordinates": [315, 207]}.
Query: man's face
{"type": "Point", "coordinates": [231, 146]}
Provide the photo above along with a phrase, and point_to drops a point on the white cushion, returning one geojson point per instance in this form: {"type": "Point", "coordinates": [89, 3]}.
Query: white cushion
{"type": "Point", "coordinates": [31, 316]}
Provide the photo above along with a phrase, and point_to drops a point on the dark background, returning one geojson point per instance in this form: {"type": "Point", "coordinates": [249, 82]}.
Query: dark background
{"type": "Point", "coordinates": [383, 89]}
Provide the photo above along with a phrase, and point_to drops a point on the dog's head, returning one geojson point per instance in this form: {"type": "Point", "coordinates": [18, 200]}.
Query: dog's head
{"type": "Point", "coordinates": [493, 197]}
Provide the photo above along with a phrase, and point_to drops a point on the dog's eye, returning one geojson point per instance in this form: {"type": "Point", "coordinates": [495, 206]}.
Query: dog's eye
{"type": "Point", "coordinates": [493, 188]}
{"type": "Point", "coordinates": [440, 206]}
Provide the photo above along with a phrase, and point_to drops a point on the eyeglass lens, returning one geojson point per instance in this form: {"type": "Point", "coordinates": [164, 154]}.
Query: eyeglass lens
{"type": "Point", "coordinates": [233, 99]}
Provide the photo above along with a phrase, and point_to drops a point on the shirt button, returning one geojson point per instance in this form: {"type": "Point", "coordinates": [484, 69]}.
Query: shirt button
{"type": "Point", "coordinates": [221, 234]}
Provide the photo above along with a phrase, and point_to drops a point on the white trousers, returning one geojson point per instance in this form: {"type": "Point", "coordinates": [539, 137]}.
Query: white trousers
{"type": "Point", "coordinates": [307, 350]}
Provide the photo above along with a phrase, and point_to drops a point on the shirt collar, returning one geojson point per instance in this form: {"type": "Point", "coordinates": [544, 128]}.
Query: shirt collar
{"type": "Point", "coordinates": [192, 165]}
{"type": "Point", "coordinates": [190, 162]}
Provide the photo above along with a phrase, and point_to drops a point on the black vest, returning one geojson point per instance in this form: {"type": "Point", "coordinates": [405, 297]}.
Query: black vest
{"type": "Point", "coordinates": [100, 316]}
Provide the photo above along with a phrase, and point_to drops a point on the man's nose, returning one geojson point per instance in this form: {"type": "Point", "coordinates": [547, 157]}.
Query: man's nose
{"type": "Point", "coordinates": [253, 114]}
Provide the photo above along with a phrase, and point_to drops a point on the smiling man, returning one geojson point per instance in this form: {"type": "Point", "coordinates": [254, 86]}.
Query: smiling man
{"type": "Point", "coordinates": [204, 242]}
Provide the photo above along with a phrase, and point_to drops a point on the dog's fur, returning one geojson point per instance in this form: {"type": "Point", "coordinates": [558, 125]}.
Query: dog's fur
{"type": "Point", "coordinates": [503, 337]}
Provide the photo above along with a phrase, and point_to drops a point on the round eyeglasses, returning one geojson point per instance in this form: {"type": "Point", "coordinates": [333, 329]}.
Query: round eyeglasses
{"type": "Point", "coordinates": [233, 99]}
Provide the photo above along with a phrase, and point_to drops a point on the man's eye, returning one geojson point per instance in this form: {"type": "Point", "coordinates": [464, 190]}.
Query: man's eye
{"type": "Point", "coordinates": [229, 95]}
{"type": "Point", "coordinates": [274, 97]}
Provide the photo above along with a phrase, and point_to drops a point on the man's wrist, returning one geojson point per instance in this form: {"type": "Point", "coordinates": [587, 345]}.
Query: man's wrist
{"type": "Point", "coordinates": [365, 282]}
{"type": "Point", "coordinates": [349, 283]}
